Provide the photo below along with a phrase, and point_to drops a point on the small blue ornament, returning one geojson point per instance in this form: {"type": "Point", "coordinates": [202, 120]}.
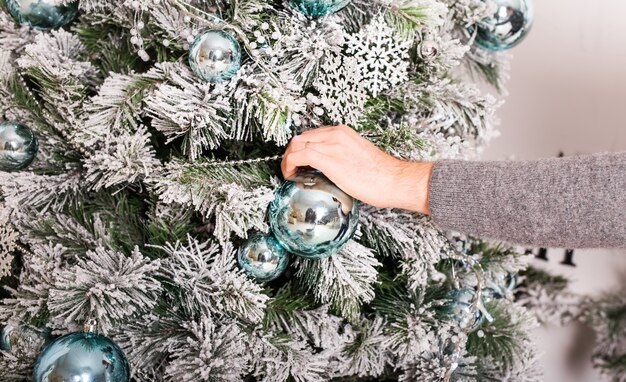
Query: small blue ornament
{"type": "Point", "coordinates": [507, 27]}
{"type": "Point", "coordinates": [43, 14]}
{"type": "Point", "coordinates": [318, 8]}
{"type": "Point", "coordinates": [18, 146]}
{"type": "Point", "coordinates": [84, 357]}
{"type": "Point", "coordinates": [215, 56]}
{"type": "Point", "coordinates": [311, 217]}
{"type": "Point", "coordinates": [467, 316]}
{"type": "Point", "coordinates": [263, 258]}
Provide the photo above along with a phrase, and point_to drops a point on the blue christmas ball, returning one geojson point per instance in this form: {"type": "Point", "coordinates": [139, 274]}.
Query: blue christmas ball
{"type": "Point", "coordinates": [318, 8]}
{"type": "Point", "coordinates": [84, 357]}
{"type": "Point", "coordinates": [263, 258]}
{"type": "Point", "coordinates": [507, 27]}
{"type": "Point", "coordinates": [311, 217]}
{"type": "Point", "coordinates": [215, 56]}
{"type": "Point", "coordinates": [18, 146]}
{"type": "Point", "coordinates": [43, 14]}
{"type": "Point", "coordinates": [461, 310]}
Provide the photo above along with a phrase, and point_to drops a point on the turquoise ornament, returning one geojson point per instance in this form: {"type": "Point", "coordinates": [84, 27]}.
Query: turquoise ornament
{"type": "Point", "coordinates": [311, 217]}
{"type": "Point", "coordinates": [507, 27]}
{"type": "Point", "coordinates": [43, 14]}
{"type": "Point", "coordinates": [18, 146]}
{"type": "Point", "coordinates": [84, 357]}
{"type": "Point", "coordinates": [215, 56]}
{"type": "Point", "coordinates": [461, 310]}
{"type": "Point", "coordinates": [318, 8]}
{"type": "Point", "coordinates": [263, 258]}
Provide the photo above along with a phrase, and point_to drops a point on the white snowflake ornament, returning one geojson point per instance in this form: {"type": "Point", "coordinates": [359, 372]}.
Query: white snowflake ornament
{"type": "Point", "coordinates": [341, 88]}
{"type": "Point", "coordinates": [382, 55]}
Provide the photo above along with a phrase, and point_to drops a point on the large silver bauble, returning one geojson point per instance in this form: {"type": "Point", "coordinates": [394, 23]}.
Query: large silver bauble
{"type": "Point", "coordinates": [311, 217]}
{"type": "Point", "coordinates": [43, 14]}
{"type": "Point", "coordinates": [18, 146]}
{"type": "Point", "coordinates": [84, 357]}
{"type": "Point", "coordinates": [215, 56]}
{"type": "Point", "coordinates": [263, 258]}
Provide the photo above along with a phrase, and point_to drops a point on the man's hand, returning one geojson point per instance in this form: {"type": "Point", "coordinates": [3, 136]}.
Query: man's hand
{"type": "Point", "coordinates": [360, 168]}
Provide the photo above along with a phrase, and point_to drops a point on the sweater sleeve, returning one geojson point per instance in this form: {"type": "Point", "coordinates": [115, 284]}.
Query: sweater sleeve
{"type": "Point", "coordinates": [575, 202]}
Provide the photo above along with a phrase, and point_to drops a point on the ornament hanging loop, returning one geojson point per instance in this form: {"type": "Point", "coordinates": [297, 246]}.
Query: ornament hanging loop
{"type": "Point", "coordinates": [91, 326]}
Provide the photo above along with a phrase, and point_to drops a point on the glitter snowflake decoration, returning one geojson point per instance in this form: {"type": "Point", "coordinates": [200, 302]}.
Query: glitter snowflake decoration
{"type": "Point", "coordinates": [382, 55]}
{"type": "Point", "coordinates": [7, 242]}
{"type": "Point", "coordinates": [341, 88]}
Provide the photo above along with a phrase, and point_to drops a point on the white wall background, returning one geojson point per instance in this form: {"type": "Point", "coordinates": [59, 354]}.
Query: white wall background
{"type": "Point", "coordinates": [568, 92]}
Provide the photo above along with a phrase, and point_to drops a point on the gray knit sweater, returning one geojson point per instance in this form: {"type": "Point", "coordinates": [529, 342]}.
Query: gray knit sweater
{"type": "Point", "coordinates": [575, 202]}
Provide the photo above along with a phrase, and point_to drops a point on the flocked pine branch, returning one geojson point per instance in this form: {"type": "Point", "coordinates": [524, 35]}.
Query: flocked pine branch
{"type": "Point", "coordinates": [105, 285]}
{"type": "Point", "coordinates": [345, 280]}
{"type": "Point", "coordinates": [207, 282]}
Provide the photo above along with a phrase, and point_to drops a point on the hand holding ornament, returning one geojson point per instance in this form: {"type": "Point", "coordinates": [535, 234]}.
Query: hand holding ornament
{"type": "Point", "coordinates": [359, 168]}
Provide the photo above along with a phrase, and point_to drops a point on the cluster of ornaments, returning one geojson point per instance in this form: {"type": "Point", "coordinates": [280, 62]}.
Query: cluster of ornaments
{"type": "Point", "coordinates": [43, 14]}
{"type": "Point", "coordinates": [309, 217]}
{"type": "Point", "coordinates": [215, 55]}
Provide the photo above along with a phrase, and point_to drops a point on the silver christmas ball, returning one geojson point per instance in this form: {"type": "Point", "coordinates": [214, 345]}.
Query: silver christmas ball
{"type": "Point", "coordinates": [427, 50]}
{"type": "Point", "coordinates": [215, 56]}
{"type": "Point", "coordinates": [43, 14]}
{"type": "Point", "coordinates": [12, 338]}
{"type": "Point", "coordinates": [311, 217]}
{"type": "Point", "coordinates": [18, 146]}
{"type": "Point", "coordinates": [507, 27]}
{"type": "Point", "coordinates": [84, 357]}
{"type": "Point", "coordinates": [263, 258]}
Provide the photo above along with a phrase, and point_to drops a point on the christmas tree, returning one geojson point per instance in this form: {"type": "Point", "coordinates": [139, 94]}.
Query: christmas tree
{"type": "Point", "coordinates": [137, 170]}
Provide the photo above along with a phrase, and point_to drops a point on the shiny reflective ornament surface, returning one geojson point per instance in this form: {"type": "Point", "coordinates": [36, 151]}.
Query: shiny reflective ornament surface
{"type": "Point", "coordinates": [507, 27]}
{"type": "Point", "coordinates": [84, 357]}
{"type": "Point", "coordinates": [311, 217]}
{"type": "Point", "coordinates": [427, 50]}
{"type": "Point", "coordinates": [318, 8]}
{"type": "Point", "coordinates": [43, 14]}
{"type": "Point", "coordinates": [215, 56]}
{"type": "Point", "coordinates": [461, 310]}
{"type": "Point", "coordinates": [18, 146]}
{"type": "Point", "coordinates": [263, 258]}
{"type": "Point", "coordinates": [12, 336]}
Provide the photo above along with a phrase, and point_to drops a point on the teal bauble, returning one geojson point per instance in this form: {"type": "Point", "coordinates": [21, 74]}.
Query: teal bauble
{"type": "Point", "coordinates": [318, 8]}
{"type": "Point", "coordinates": [84, 357]}
{"type": "Point", "coordinates": [508, 25]}
{"type": "Point", "coordinates": [215, 56]}
{"type": "Point", "coordinates": [18, 146]}
{"type": "Point", "coordinates": [43, 14]}
{"type": "Point", "coordinates": [263, 258]}
{"type": "Point", "coordinates": [461, 310]}
{"type": "Point", "coordinates": [311, 217]}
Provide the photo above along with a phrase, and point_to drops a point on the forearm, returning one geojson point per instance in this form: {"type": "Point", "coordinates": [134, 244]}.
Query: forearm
{"type": "Point", "coordinates": [569, 202]}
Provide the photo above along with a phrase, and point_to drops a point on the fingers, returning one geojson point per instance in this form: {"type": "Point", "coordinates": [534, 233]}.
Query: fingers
{"type": "Point", "coordinates": [301, 158]}
{"type": "Point", "coordinates": [341, 133]}
{"type": "Point", "coordinates": [316, 148]}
